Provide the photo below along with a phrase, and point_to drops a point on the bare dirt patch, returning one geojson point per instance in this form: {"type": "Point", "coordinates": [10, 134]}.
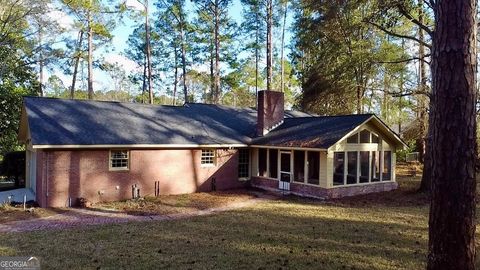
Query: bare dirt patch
{"type": "Point", "coordinates": [173, 204]}
{"type": "Point", "coordinates": [10, 213]}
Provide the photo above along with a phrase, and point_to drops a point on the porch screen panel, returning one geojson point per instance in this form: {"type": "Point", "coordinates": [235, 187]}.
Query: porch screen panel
{"type": "Point", "coordinates": [273, 166]}
{"type": "Point", "coordinates": [364, 166]}
{"type": "Point", "coordinates": [339, 165]}
{"type": "Point", "coordinates": [375, 166]}
{"type": "Point", "coordinates": [387, 166]}
{"type": "Point", "coordinates": [313, 167]}
{"type": "Point", "coordinates": [352, 167]}
{"type": "Point", "coordinates": [299, 166]}
{"type": "Point", "coordinates": [262, 162]}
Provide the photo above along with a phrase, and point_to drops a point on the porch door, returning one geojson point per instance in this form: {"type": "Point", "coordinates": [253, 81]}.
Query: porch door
{"type": "Point", "coordinates": [285, 171]}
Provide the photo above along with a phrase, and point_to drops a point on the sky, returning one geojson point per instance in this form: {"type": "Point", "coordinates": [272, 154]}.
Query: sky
{"type": "Point", "coordinates": [114, 53]}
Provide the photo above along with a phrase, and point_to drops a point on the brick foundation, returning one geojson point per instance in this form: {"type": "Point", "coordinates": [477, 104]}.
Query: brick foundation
{"type": "Point", "coordinates": [323, 193]}
{"type": "Point", "coordinates": [64, 176]}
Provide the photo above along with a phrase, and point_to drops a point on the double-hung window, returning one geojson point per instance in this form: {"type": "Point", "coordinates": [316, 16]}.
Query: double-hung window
{"type": "Point", "coordinates": [208, 157]}
{"type": "Point", "coordinates": [119, 160]}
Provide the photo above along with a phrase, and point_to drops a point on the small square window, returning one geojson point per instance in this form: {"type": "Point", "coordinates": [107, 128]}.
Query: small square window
{"type": "Point", "coordinates": [208, 157]}
{"type": "Point", "coordinates": [119, 159]}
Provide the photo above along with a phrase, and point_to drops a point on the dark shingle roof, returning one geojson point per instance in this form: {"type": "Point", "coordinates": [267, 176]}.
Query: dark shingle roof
{"type": "Point", "coordinates": [312, 132]}
{"type": "Point", "coordinates": [81, 122]}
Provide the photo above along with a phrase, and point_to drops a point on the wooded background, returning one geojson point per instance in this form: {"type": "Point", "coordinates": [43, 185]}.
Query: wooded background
{"type": "Point", "coordinates": [341, 57]}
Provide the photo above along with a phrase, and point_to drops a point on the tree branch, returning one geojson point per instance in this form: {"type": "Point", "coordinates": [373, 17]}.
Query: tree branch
{"type": "Point", "coordinates": [409, 16]}
{"type": "Point", "coordinates": [405, 60]}
{"type": "Point", "coordinates": [399, 35]}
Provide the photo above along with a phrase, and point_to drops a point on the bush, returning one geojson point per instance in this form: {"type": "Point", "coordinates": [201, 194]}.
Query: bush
{"type": "Point", "coordinates": [402, 154]}
{"type": "Point", "coordinates": [13, 166]}
{"type": "Point", "coordinates": [83, 203]}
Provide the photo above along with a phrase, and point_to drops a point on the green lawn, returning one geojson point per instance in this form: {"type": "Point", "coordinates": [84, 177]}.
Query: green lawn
{"type": "Point", "coordinates": [387, 231]}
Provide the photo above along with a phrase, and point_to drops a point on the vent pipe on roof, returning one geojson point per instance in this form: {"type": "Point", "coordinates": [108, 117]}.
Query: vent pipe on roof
{"type": "Point", "coordinates": [270, 111]}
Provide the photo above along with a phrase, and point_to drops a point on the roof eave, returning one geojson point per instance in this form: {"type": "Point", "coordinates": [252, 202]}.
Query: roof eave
{"type": "Point", "coordinates": [135, 146]}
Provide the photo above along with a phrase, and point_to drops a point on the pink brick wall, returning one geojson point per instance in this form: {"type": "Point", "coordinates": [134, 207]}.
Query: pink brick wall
{"type": "Point", "coordinates": [270, 110]}
{"type": "Point", "coordinates": [363, 189]}
{"type": "Point", "coordinates": [318, 192]}
{"type": "Point", "coordinates": [85, 173]}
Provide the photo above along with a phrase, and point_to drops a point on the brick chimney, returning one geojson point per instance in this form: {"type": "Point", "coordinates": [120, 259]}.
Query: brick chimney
{"type": "Point", "coordinates": [269, 111]}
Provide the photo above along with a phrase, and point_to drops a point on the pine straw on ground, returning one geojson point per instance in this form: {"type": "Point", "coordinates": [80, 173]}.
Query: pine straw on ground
{"type": "Point", "coordinates": [173, 204]}
{"type": "Point", "coordinates": [14, 213]}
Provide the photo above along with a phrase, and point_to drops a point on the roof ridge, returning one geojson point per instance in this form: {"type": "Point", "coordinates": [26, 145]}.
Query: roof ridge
{"type": "Point", "coordinates": [102, 101]}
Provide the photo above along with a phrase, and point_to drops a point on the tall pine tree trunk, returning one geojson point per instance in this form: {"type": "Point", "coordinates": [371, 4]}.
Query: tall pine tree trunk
{"type": "Point", "coordinates": [184, 65]}
{"type": "Point", "coordinates": [90, 56]}
{"type": "Point", "coordinates": [423, 140]}
{"type": "Point", "coordinates": [257, 56]}
{"type": "Point", "coordinates": [144, 80]}
{"type": "Point", "coordinates": [212, 72]}
{"type": "Point", "coordinates": [149, 55]}
{"type": "Point", "coordinates": [217, 53]}
{"type": "Point", "coordinates": [269, 44]}
{"type": "Point", "coordinates": [282, 79]}
{"type": "Point", "coordinates": [40, 63]}
{"type": "Point", "coordinates": [453, 137]}
{"type": "Point", "coordinates": [175, 79]}
{"type": "Point", "coordinates": [77, 61]}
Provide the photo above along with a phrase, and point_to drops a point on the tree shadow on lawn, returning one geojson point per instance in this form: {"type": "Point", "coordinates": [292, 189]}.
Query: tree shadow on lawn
{"type": "Point", "coordinates": [406, 195]}
{"type": "Point", "coordinates": [271, 235]}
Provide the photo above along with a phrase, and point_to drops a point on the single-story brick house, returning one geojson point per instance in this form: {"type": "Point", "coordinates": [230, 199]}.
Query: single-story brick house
{"type": "Point", "coordinates": [101, 150]}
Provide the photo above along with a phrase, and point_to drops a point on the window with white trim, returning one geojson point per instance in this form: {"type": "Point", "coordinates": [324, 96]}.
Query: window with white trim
{"type": "Point", "coordinates": [365, 136]}
{"type": "Point", "coordinates": [208, 157]}
{"type": "Point", "coordinates": [353, 138]}
{"type": "Point", "coordinates": [243, 163]}
{"type": "Point", "coordinates": [387, 166]}
{"type": "Point", "coordinates": [119, 159]}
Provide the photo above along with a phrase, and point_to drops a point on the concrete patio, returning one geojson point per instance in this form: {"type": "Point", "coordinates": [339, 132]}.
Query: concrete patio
{"type": "Point", "coordinates": [16, 195]}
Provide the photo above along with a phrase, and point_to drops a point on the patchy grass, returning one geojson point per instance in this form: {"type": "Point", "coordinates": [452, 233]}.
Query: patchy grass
{"type": "Point", "coordinates": [10, 213]}
{"type": "Point", "coordinates": [408, 169]}
{"type": "Point", "coordinates": [378, 231]}
{"type": "Point", "coordinates": [289, 233]}
{"type": "Point", "coordinates": [172, 204]}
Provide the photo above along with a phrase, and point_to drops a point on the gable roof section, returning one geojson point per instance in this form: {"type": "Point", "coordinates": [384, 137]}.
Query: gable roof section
{"type": "Point", "coordinates": [312, 132]}
{"type": "Point", "coordinates": [65, 123]}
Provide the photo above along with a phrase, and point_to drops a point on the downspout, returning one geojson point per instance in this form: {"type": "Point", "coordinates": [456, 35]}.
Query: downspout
{"type": "Point", "coordinates": [46, 178]}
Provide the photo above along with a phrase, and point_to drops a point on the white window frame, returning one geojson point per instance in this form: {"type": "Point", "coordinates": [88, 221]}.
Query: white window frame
{"type": "Point", "coordinates": [110, 160]}
{"type": "Point", "coordinates": [204, 157]}
{"type": "Point", "coordinates": [243, 163]}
